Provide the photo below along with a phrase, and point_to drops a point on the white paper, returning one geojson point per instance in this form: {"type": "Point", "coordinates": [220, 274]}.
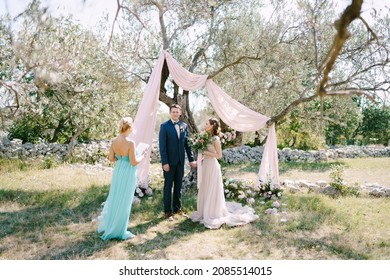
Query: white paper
{"type": "Point", "coordinates": [142, 147]}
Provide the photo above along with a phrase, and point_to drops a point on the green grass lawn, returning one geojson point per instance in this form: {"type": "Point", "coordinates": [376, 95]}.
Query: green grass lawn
{"type": "Point", "coordinates": [51, 214]}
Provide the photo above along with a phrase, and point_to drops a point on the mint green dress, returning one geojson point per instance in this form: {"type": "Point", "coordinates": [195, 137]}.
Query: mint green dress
{"type": "Point", "coordinates": [115, 215]}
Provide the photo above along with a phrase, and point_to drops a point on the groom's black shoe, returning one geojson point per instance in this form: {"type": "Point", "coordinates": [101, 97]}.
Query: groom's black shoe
{"type": "Point", "coordinates": [169, 216]}
{"type": "Point", "coordinates": [181, 212]}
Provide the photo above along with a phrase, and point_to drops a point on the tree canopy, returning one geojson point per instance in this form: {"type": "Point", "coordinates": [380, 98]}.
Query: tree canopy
{"type": "Point", "coordinates": [287, 61]}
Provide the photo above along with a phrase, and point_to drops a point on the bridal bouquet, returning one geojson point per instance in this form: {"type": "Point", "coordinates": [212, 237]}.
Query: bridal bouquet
{"type": "Point", "coordinates": [199, 142]}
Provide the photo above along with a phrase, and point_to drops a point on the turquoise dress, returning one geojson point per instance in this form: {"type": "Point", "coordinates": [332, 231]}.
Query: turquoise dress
{"type": "Point", "coordinates": [115, 215]}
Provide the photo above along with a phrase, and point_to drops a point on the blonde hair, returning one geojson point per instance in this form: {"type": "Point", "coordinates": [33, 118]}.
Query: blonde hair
{"type": "Point", "coordinates": [125, 123]}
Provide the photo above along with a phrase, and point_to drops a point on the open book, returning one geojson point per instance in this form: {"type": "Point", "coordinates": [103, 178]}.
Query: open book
{"type": "Point", "coordinates": [141, 147]}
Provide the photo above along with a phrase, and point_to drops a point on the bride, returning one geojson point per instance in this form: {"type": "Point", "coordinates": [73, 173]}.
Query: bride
{"type": "Point", "coordinates": [212, 210]}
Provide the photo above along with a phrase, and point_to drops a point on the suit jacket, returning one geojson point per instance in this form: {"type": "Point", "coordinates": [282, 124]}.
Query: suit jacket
{"type": "Point", "coordinates": [172, 148]}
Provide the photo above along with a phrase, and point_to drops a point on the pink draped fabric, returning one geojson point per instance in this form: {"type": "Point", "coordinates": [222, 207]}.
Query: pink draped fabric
{"type": "Point", "coordinates": [229, 110]}
{"type": "Point", "coordinates": [232, 112]}
{"type": "Point", "coordinates": [145, 120]}
{"type": "Point", "coordinates": [184, 78]}
{"type": "Point", "coordinates": [269, 167]}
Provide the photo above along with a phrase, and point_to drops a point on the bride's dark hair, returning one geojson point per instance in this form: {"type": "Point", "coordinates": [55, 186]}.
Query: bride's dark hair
{"type": "Point", "coordinates": [216, 129]}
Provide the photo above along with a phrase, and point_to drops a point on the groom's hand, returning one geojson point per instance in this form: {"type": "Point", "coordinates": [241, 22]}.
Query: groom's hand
{"type": "Point", "coordinates": [166, 167]}
{"type": "Point", "coordinates": [193, 164]}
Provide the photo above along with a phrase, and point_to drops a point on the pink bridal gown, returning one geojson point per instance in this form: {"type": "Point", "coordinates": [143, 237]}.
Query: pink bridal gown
{"type": "Point", "coordinates": [212, 209]}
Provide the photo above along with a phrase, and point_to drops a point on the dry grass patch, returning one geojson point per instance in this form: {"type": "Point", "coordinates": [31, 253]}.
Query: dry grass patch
{"type": "Point", "coordinates": [64, 177]}
{"type": "Point", "coordinates": [356, 170]}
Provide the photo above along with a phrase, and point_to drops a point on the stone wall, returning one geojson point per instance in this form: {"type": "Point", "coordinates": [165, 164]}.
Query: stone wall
{"type": "Point", "coordinates": [96, 152]}
{"type": "Point", "coordinates": [246, 153]}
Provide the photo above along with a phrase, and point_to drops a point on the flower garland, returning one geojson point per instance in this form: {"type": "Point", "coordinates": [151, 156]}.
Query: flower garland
{"type": "Point", "coordinates": [245, 192]}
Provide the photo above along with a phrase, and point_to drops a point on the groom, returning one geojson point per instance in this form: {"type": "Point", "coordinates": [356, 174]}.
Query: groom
{"type": "Point", "coordinates": [172, 143]}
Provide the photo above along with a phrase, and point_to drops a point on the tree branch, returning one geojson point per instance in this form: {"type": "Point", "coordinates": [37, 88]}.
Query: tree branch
{"type": "Point", "coordinates": [238, 61]}
{"type": "Point", "coordinates": [351, 13]}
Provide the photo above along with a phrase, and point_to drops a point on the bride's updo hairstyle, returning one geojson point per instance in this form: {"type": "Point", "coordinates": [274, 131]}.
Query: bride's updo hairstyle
{"type": "Point", "coordinates": [125, 123]}
{"type": "Point", "coordinates": [215, 124]}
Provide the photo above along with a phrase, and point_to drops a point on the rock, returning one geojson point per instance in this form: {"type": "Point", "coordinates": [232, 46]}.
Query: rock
{"type": "Point", "coordinates": [330, 191]}
{"type": "Point", "coordinates": [321, 183]}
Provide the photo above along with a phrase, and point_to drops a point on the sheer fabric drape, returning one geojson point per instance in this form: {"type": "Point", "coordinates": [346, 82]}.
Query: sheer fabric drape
{"type": "Point", "coordinates": [229, 110]}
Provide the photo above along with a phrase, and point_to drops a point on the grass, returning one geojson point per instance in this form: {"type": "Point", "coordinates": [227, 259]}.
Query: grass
{"type": "Point", "coordinates": [358, 170]}
{"type": "Point", "coordinates": [51, 214]}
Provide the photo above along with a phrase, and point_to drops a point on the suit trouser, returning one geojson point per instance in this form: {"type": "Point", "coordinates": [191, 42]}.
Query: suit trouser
{"type": "Point", "coordinates": [173, 178]}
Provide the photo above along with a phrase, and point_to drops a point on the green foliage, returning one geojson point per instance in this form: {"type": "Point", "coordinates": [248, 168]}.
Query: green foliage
{"type": "Point", "coordinates": [375, 126]}
{"type": "Point", "coordinates": [72, 88]}
{"type": "Point", "coordinates": [339, 183]}
{"type": "Point", "coordinates": [49, 162]}
{"type": "Point", "coordinates": [28, 129]}
{"type": "Point", "coordinates": [344, 120]}
{"type": "Point", "coordinates": [297, 132]}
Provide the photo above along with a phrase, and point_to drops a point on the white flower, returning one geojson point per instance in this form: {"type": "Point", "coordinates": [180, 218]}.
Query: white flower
{"type": "Point", "coordinates": [149, 191]}
{"type": "Point", "coordinates": [250, 200]}
{"type": "Point", "coordinates": [283, 220]}
{"type": "Point", "coordinates": [136, 201]}
{"type": "Point", "coordinates": [229, 136]}
{"type": "Point", "coordinates": [276, 204]}
{"type": "Point", "coordinates": [271, 211]}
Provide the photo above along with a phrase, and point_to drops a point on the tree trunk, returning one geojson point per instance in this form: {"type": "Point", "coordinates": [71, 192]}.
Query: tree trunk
{"type": "Point", "coordinates": [180, 99]}
{"type": "Point", "coordinates": [257, 141]}
{"type": "Point", "coordinates": [72, 141]}
{"type": "Point", "coordinates": [58, 130]}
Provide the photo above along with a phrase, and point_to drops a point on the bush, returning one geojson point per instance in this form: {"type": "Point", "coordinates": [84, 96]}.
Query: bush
{"type": "Point", "coordinates": [27, 129]}
{"type": "Point", "coordinates": [339, 183]}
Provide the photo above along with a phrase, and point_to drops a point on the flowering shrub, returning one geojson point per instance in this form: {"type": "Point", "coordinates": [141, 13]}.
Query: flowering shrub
{"type": "Point", "coordinates": [142, 191]}
{"type": "Point", "coordinates": [228, 138]}
{"type": "Point", "coordinates": [245, 192]}
{"type": "Point", "coordinates": [272, 194]}
{"type": "Point", "coordinates": [199, 142]}
{"type": "Point", "coordinates": [269, 191]}
{"type": "Point", "coordinates": [241, 191]}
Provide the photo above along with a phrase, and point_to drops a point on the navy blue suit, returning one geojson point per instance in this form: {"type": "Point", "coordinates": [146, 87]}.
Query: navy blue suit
{"type": "Point", "coordinates": [172, 152]}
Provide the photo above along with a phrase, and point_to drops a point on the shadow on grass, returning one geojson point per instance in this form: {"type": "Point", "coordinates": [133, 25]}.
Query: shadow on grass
{"type": "Point", "coordinates": [56, 209]}
{"type": "Point", "coordinates": [154, 247]}
{"type": "Point", "coordinates": [51, 209]}
{"type": "Point", "coordinates": [152, 212]}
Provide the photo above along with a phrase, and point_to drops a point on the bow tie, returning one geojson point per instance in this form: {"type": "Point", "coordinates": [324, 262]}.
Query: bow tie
{"type": "Point", "coordinates": [176, 123]}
